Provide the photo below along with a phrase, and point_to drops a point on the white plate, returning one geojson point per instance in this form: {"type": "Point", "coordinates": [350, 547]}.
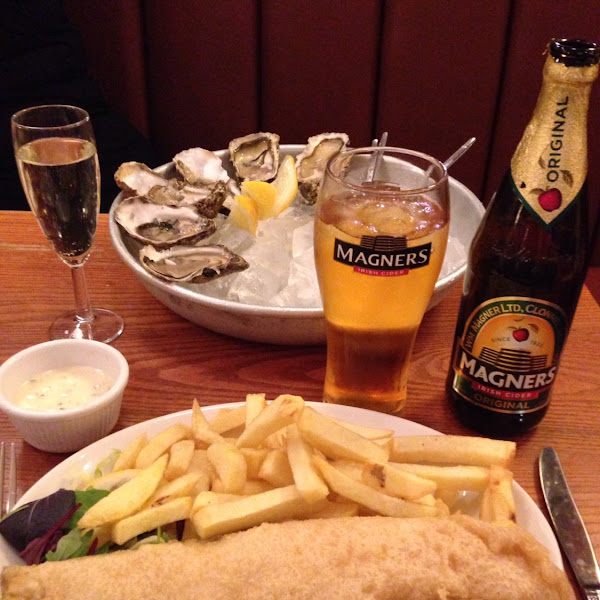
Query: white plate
{"type": "Point", "coordinates": [529, 515]}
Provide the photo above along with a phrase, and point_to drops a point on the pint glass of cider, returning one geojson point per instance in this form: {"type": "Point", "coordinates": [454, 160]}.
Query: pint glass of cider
{"type": "Point", "coordinates": [381, 228]}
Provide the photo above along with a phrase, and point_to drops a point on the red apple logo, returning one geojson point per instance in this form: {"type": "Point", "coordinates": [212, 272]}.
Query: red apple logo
{"type": "Point", "coordinates": [550, 199]}
{"type": "Point", "coordinates": [521, 335]}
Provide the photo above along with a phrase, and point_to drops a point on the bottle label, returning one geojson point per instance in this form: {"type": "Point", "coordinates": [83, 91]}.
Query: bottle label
{"type": "Point", "coordinates": [550, 164]}
{"type": "Point", "coordinates": [507, 355]}
{"type": "Point", "coordinates": [382, 255]}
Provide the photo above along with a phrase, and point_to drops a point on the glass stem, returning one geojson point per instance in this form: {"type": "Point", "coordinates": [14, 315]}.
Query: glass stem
{"type": "Point", "coordinates": [83, 309]}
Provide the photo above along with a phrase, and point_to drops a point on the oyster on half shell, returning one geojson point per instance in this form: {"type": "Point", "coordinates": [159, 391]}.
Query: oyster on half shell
{"type": "Point", "coordinates": [200, 167]}
{"type": "Point", "coordinates": [138, 179]}
{"type": "Point", "coordinates": [162, 225]}
{"type": "Point", "coordinates": [255, 156]}
{"type": "Point", "coordinates": [191, 264]}
{"type": "Point", "coordinates": [206, 200]}
{"type": "Point", "coordinates": [312, 161]}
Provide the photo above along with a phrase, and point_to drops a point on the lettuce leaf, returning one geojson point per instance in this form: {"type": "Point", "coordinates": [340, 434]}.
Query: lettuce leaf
{"type": "Point", "coordinates": [37, 528]}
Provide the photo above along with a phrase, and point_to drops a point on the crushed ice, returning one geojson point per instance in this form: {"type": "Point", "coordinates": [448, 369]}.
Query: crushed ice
{"type": "Point", "coordinates": [282, 265]}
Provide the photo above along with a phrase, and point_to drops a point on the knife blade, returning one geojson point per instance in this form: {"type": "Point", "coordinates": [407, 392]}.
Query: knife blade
{"type": "Point", "coordinates": [568, 524]}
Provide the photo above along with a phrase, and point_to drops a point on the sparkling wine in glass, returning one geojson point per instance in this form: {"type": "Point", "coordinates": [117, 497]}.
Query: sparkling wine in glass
{"type": "Point", "coordinates": [57, 160]}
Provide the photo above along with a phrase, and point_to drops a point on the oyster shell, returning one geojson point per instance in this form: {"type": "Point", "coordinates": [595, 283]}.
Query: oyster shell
{"type": "Point", "coordinates": [206, 200]}
{"type": "Point", "coordinates": [138, 179]}
{"type": "Point", "coordinates": [191, 264]}
{"type": "Point", "coordinates": [162, 225]}
{"type": "Point", "coordinates": [255, 156]}
{"type": "Point", "coordinates": [200, 167]}
{"type": "Point", "coordinates": [312, 161]}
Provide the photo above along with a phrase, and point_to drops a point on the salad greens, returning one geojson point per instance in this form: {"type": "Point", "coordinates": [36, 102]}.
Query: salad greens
{"type": "Point", "coordinates": [46, 530]}
{"type": "Point", "coordinates": [36, 530]}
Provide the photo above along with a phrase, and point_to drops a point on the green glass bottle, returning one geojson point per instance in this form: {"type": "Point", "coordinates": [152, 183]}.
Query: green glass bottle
{"type": "Point", "coordinates": [528, 260]}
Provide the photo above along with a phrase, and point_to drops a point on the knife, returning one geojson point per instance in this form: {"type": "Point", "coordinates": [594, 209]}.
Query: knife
{"type": "Point", "coordinates": [568, 524]}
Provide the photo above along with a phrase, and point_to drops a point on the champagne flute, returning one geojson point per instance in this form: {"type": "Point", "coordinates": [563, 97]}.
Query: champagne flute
{"type": "Point", "coordinates": [57, 160]}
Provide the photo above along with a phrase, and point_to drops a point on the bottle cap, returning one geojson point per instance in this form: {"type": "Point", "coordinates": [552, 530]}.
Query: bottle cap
{"type": "Point", "coordinates": [575, 53]}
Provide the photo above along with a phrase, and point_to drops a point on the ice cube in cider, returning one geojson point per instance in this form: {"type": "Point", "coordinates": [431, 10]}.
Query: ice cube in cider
{"type": "Point", "coordinates": [410, 217]}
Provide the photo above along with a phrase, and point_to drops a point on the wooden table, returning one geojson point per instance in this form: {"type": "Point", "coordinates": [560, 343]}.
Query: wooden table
{"type": "Point", "coordinates": [173, 361]}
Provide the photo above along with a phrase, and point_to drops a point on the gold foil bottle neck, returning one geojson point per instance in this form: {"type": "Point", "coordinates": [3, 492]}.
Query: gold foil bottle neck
{"type": "Point", "coordinates": [561, 73]}
{"type": "Point", "coordinates": [549, 166]}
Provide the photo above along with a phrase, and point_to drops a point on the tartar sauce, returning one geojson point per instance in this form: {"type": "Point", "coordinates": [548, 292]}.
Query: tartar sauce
{"type": "Point", "coordinates": [61, 389]}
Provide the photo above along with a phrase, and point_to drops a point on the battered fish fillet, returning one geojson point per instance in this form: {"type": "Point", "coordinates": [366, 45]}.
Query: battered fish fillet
{"type": "Point", "coordinates": [365, 558]}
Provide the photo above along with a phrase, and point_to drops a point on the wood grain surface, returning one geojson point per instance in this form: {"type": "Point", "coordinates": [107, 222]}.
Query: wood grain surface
{"type": "Point", "coordinates": [173, 361]}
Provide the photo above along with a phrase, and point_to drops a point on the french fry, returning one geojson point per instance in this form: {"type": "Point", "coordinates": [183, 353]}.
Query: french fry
{"type": "Point", "coordinates": [395, 482]}
{"type": "Point", "coordinates": [201, 465]}
{"type": "Point", "coordinates": [452, 449]}
{"type": "Point", "coordinates": [276, 440]}
{"type": "Point", "coordinates": [442, 508]}
{"type": "Point", "coordinates": [283, 411]}
{"type": "Point", "coordinates": [387, 444]}
{"type": "Point", "coordinates": [274, 461]}
{"type": "Point", "coordinates": [102, 535]}
{"type": "Point", "coordinates": [336, 441]}
{"type": "Point", "coordinates": [336, 510]}
{"type": "Point", "coordinates": [308, 481]}
{"type": "Point", "coordinates": [249, 511]}
{"type": "Point", "coordinates": [254, 459]}
{"type": "Point", "coordinates": [428, 500]}
{"type": "Point", "coordinates": [189, 531]}
{"type": "Point", "coordinates": [254, 405]}
{"type": "Point", "coordinates": [127, 499]}
{"type": "Point", "coordinates": [276, 469]}
{"type": "Point", "coordinates": [127, 458]}
{"type": "Point", "coordinates": [177, 488]}
{"type": "Point", "coordinates": [202, 431]}
{"type": "Point", "coordinates": [205, 498]}
{"type": "Point", "coordinates": [151, 518]}
{"type": "Point", "coordinates": [180, 457]}
{"type": "Point", "coordinates": [371, 433]}
{"type": "Point", "coordinates": [230, 465]}
{"type": "Point", "coordinates": [453, 477]}
{"type": "Point", "coordinates": [350, 468]}
{"type": "Point", "coordinates": [255, 486]}
{"type": "Point", "coordinates": [497, 500]}
{"type": "Point", "coordinates": [447, 495]}
{"type": "Point", "coordinates": [113, 480]}
{"type": "Point", "coordinates": [366, 496]}
{"type": "Point", "coordinates": [160, 444]}
{"type": "Point", "coordinates": [229, 419]}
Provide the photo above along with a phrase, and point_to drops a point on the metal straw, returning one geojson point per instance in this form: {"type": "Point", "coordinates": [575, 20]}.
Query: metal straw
{"type": "Point", "coordinates": [376, 156]}
{"type": "Point", "coordinates": [453, 157]}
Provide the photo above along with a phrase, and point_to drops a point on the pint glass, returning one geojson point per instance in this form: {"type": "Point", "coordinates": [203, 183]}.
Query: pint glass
{"type": "Point", "coordinates": [381, 228]}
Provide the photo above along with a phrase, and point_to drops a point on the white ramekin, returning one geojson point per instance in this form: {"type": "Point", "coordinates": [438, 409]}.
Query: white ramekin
{"type": "Point", "coordinates": [72, 429]}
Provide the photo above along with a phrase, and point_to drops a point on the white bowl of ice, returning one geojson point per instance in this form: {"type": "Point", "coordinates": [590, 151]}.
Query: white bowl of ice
{"type": "Point", "coordinates": [276, 300]}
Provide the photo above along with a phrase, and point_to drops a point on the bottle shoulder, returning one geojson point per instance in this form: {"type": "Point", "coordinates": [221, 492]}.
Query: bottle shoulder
{"type": "Point", "coordinates": [509, 222]}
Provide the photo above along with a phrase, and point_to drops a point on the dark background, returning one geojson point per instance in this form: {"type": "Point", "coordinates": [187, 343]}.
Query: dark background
{"type": "Point", "coordinates": [199, 73]}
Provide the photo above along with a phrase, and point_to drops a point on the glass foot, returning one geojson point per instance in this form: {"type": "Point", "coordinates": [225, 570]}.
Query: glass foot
{"type": "Point", "coordinates": [106, 326]}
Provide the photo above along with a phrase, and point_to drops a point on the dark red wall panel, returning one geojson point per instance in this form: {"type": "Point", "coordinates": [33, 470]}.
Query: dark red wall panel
{"type": "Point", "coordinates": [113, 37]}
{"type": "Point", "coordinates": [430, 73]}
{"type": "Point", "coordinates": [440, 76]}
{"type": "Point", "coordinates": [534, 23]}
{"type": "Point", "coordinates": [202, 72]}
{"type": "Point", "coordinates": [319, 67]}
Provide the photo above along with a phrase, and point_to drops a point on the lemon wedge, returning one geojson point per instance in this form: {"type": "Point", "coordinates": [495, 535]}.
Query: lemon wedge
{"type": "Point", "coordinates": [286, 184]}
{"type": "Point", "coordinates": [263, 194]}
{"type": "Point", "coordinates": [244, 214]}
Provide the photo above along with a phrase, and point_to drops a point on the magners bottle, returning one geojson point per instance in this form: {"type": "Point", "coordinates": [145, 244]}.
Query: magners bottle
{"type": "Point", "coordinates": [528, 259]}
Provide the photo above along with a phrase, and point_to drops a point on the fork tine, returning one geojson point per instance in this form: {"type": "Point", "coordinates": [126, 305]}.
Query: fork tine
{"type": "Point", "coordinates": [1, 479]}
{"type": "Point", "coordinates": [12, 478]}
